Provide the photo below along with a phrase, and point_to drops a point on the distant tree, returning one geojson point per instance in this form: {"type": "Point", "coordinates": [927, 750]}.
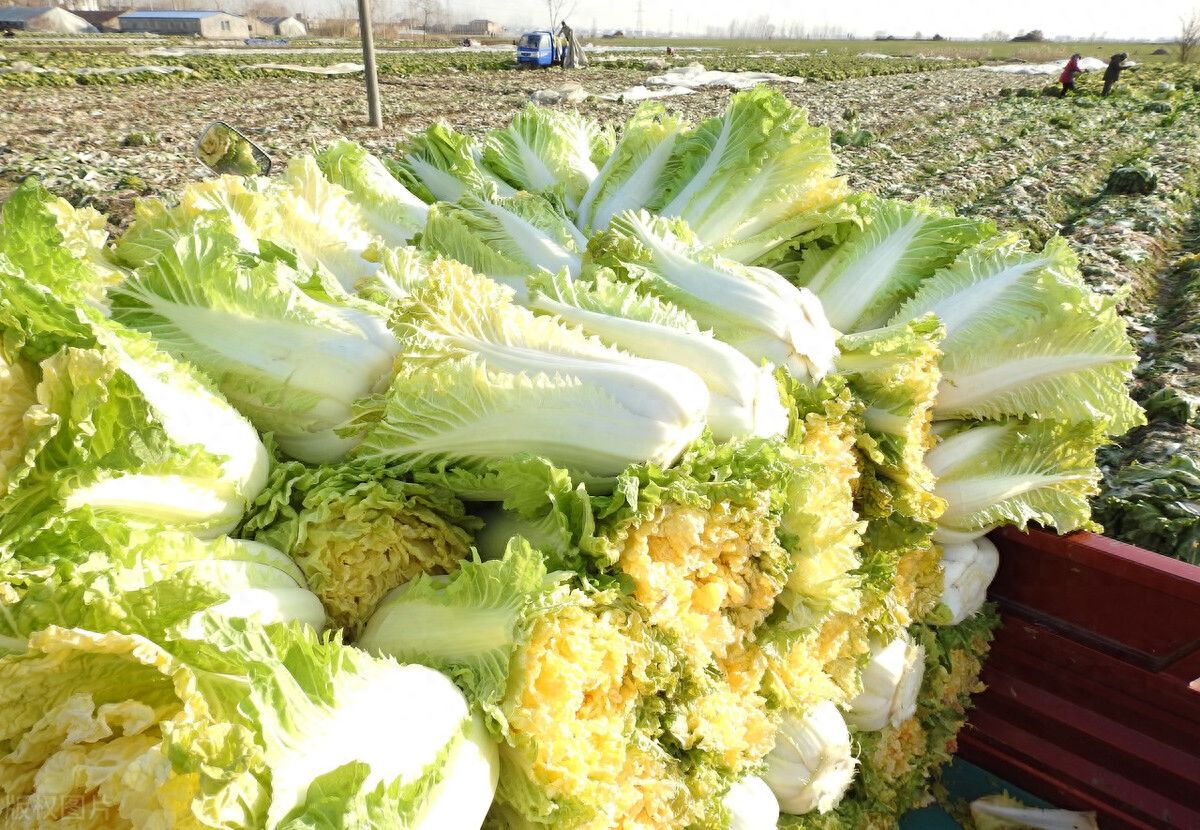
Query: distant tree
{"type": "Point", "coordinates": [1189, 36]}
{"type": "Point", "coordinates": [266, 8]}
{"type": "Point", "coordinates": [918, 36]}
{"type": "Point", "coordinates": [430, 14]}
{"type": "Point", "coordinates": [995, 34]}
{"type": "Point", "coordinates": [559, 9]}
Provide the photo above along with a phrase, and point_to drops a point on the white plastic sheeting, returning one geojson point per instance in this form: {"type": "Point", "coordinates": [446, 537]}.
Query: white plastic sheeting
{"type": "Point", "coordinates": [695, 76]}
{"type": "Point", "coordinates": [1052, 68]}
{"type": "Point", "coordinates": [642, 93]}
{"type": "Point", "coordinates": [333, 69]}
{"type": "Point", "coordinates": [26, 66]}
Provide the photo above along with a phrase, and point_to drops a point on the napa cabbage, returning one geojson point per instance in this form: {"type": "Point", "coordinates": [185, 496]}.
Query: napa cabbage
{"type": "Point", "coordinates": [753, 309]}
{"type": "Point", "coordinates": [106, 576]}
{"type": "Point", "coordinates": [245, 727]}
{"type": "Point", "coordinates": [292, 360]}
{"type": "Point", "coordinates": [481, 379]}
{"type": "Point", "coordinates": [744, 399]}
{"type": "Point", "coordinates": [391, 212]}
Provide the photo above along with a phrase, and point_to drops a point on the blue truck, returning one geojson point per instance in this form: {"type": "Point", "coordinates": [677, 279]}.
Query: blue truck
{"type": "Point", "coordinates": [538, 49]}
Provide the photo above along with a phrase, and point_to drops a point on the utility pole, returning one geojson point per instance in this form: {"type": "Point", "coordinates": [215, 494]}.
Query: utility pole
{"type": "Point", "coordinates": [374, 115]}
{"type": "Point", "coordinates": [671, 23]}
{"type": "Point", "coordinates": [640, 28]}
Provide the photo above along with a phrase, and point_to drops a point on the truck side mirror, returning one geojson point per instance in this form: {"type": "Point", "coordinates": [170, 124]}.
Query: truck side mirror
{"type": "Point", "coordinates": [224, 150]}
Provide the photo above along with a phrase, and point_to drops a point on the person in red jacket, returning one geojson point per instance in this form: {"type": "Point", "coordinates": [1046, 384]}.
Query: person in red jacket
{"type": "Point", "coordinates": [1067, 78]}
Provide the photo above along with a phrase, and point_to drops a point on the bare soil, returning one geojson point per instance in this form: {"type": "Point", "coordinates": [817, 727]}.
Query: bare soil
{"type": "Point", "coordinates": [75, 138]}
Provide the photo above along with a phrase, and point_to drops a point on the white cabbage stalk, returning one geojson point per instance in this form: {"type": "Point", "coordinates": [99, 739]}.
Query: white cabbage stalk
{"type": "Point", "coordinates": [751, 805]}
{"type": "Point", "coordinates": [744, 398]}
{"type": "Point", "coordinates": [812, 764]}
{"type": "Point", "coordinates": [1002, 812]}
{"type": "Point", "coordinates": [294, 361]}
{"type": "Point", "coordinates": [190, 414]}
{"type": "Point", "coordinates": [267, 587]}
{"type": "Point", "coordinates": [891, 682]}
{"type": "Point", "coordinates": [754, 309]}
{"type": "Point", "coordinates": [484, 379]}
{"type": "Point", "coordinates": [967, 571]}
{"type": "Point", "coordinates": [463, 792]}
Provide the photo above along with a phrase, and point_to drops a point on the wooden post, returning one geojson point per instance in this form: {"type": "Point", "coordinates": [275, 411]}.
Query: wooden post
{"type": "Point", "coordinates": [374, 115]}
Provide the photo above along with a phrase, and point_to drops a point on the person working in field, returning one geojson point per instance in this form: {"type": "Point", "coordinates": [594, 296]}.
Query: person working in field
{"type": "Point", "coordinates": [1113, 73]}
{"type": "Point", "coordinates": [1067, 78]}
{"type": "Point", "coordinates": [563, 41]}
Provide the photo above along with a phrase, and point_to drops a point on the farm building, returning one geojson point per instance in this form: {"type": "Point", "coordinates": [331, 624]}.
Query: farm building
{"type": "Point", "coordinates": [209, 24]}
{"type": "Point", "coordinates": [279, 26]}
{"type": "Point", "coordinates": [105, 20]}
{"type": "Point", "coordinates": [486, 28]}
{"type": "Point", "coordinates": [43, 20]}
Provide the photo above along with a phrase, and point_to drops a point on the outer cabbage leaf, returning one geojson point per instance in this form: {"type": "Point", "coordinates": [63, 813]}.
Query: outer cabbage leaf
{"type": "Point", "coordinates": [863, 281]}
{"type": "Point", "coordinates": [108, 577]}
{"type": "Point", "coordinates": [243, 206]}
{"type": "Point", "coordinates": [894, 372]}
{"type": "Point", "coordinates": [634, 172]}
{"type": "Point", "coordinates": [323, 225]}
{"type": "Point", "coordinates": [124, 430]}
{"type": "Point", "coordinates": [56, 246]}
{"type": "Point", "coordinates": [751, 175]}
{"type": "Point", "coordinates": [1015, 472]}
{"type": "Point", "coordinates": [293, 363]}
{"type": "Point", "coordinates": [744, 399]}
{"type": "Point", "coordinates": [35, 321]}
{"type": "Point", "coordinates": [753, 309]}
{"type": "Point", "coordinates": [482, 379]}
{"type": "Point", "coordinates": [1026, 338]}
{"type": "Point", "coordinates": [547, 150]}
{"type": "Point", "coordinates": [251, 727]}
{"type": "Point", "coordinates": [820, 525]}
{"type": "Point", "coordinates": [389, 209]}
{"type": "Point", "coordinates": [442, 165]}
{"type": "Point", "coordinates": [400, 271]}
{"type": "Point", "coordinates": [572, 680]}
{"type": "Point", "coordinates": [506, 239]}
{"type": "Point", "coordinates": [18, 394]}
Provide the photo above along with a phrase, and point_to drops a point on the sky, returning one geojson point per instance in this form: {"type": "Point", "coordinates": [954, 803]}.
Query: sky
{"type": "Point", "coordinates": [1110, 19]}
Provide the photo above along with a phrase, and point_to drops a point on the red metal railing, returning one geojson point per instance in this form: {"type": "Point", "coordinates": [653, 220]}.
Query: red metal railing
{"type": "Point", "coordinates": [1093, 697]}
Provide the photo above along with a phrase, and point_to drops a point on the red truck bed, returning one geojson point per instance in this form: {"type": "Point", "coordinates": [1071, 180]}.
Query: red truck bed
{"type": "Point", "coordinates": [1093, 697]}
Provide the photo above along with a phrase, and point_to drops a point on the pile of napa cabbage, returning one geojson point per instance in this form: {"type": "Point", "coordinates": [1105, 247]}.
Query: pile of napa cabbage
{"type": "Point", "coordinates": [546, 480]}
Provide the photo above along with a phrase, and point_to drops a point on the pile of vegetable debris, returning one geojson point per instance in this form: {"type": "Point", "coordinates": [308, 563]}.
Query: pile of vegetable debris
{"type": "Point", "coordinates": [553, 481]}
